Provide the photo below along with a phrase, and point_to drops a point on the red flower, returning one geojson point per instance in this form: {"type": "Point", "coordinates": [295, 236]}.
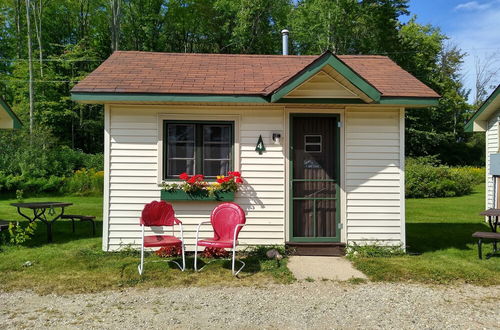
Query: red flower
{"type": "Point", "coordinates": [191, 180]}
{"type": "Point", "coordinates": [236, 174]}
{"type": "Point", "coordinates": [220, 180]}
{"type": "Point", "coordinates": [184, 176]}
{"type": "Point", "coordinates": [238, 180]}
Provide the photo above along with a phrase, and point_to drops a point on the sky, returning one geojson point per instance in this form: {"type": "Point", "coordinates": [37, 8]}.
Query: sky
{"type": "Point", "coordinates": [474, 26]}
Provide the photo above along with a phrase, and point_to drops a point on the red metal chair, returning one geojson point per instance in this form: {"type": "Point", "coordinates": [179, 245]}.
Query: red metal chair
{"type": "Point", "coordinates": [227, 220]}
{"type": "Point", "coordinates": [159, 214]}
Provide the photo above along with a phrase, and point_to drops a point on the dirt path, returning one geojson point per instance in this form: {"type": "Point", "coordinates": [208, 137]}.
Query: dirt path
{"type": "Point", "coordinates": [301, 305]}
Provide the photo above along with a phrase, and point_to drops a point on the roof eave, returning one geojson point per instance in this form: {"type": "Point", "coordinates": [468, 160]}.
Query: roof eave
{"type": "Point", "coordinates": [477, 123]}
{"type": "Point", "coordinates": [101, 98]}
{"type": "Point", "coordinates": [15, 120]}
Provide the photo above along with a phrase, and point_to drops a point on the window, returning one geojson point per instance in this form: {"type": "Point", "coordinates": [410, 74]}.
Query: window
{"type": "Point", "coordinates": [313, 143]}
{"type": "Point", "coordinates": [197, 148]}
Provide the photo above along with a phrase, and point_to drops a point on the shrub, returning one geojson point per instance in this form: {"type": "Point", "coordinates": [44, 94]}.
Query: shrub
{"type": "Point", "coordinates": [213, 252]}
{"type": "Point", "coordinates": [425, 178]}
{"type": "Point", "coordinates": [40, 156]}
{"type": "Point", "coordinates": [169, 251]}
{"type": "Point", "coordinates": [374, 250]}
{"type": "Point", "coordinates": [85, 182]}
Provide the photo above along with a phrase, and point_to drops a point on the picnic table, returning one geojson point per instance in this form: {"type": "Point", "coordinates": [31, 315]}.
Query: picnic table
{"type": "Point", "coordinates": [40, 212]}
{"type": "Point", "coordinates": [493, 215]}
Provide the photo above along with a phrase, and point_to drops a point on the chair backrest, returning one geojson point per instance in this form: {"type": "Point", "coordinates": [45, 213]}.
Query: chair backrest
{"type": "Point", "coordinates": [158, 214]}
{"type": "Point", "coordinates": [224, 219]}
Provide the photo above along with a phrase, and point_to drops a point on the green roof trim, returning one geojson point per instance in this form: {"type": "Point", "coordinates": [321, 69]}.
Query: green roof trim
{"type": "Point", "coordinates": [327, 58]}
{"type": "Point", "coordinates": [17, 123]}
{"type": "Point", "coordinates": [320, 101]}
{"type": "Point", "coordinates": [406, 101]}
{"type": "Point", "coordinates": [469, 127]}
{"type": "Point", "coordinates": [123, 97]}
{"type": "Point", "coordinates": [416, 101]}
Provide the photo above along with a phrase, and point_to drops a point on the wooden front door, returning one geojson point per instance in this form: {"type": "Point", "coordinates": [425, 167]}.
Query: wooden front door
{"type": "Point", "coordinates": [314, 178]}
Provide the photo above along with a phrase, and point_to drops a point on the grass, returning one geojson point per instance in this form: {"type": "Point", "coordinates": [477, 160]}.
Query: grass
{"type": "Point", "coordinates": [75, 263]}
{"type": "Point", "coordinates": [441, 249]}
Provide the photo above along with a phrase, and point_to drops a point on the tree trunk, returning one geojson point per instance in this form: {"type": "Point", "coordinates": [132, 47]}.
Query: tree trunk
{"type": "Point", "coordinates": [115, 24]}
{"type": "Point", "coordinates": [18, 29]}
{"type": "Point", "coordinates": [37, 10]}
{"type": "Point", "coordinates": [30, 65]}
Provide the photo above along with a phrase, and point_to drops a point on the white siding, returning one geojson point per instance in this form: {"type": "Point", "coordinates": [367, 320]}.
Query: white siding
{"type": "Point", "coordinates": [492, 141]}
{"type": "Point", "coordinates": [373, 176]}
{"type": "Point", "coordinates": [375, 207]}
{"type": "Point", "coordinates": [134, 167]}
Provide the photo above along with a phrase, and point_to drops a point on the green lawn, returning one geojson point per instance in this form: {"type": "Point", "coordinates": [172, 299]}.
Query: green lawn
{"type": "Point", "coordinates": [440, 244]}
{"type": "Point", "coordinates": [75, 262]}
{"type": "Point", "coordinates": [438, 235]}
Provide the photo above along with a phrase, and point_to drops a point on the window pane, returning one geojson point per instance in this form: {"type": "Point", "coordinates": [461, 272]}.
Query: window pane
{"type": "Point", "coordinates": [180, 132]}
{"type": "Point", "coordinates": [216, 133]}
{"type": "Point", "coordinates": [313, 138]}
{"type": "Point", "coordinates": [181, 150]}
{"type": "Point", "coordinates": [212, 168]}
{"type": "Point", "coordinates": [217, 151]}
{"type": "Point", "coordinates": [178, 166]}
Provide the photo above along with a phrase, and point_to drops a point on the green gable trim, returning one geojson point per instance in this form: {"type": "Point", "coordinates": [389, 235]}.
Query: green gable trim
{"type": "Point", "coordinates": [327, 59]}
{"type": "Point", "coordinates": [321, 101]}
{"type": "Point", "coordinates": [469, 127]}
{"type": "Point", "coordinates": [409, 101]}
{"type": "Point", "coordinates": [12, 115]}
{"type": "Point", "coordinates": [131, 97]}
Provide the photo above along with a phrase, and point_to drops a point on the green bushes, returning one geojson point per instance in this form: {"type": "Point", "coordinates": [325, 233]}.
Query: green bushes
{"type": "Point", "coordinates": [39, 164]}
{"type": "Point", "coordinates": [85, 182]}
{"type": "Point", "coordinates": [426, 178]}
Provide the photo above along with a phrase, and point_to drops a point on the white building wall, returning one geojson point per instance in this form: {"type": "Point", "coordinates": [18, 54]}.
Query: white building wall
{"type": "Point", "coordinates": [372, 166]}
{"type": "Point", "coordinates": [134, 168]}
{"type": "Point", "coordinates": [492, 147]}
{"type": "Point", "coordinates": [374, 171]}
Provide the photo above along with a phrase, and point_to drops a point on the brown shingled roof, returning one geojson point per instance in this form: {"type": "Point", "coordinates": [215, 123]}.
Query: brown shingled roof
{"type": "Point", "coordinates": [226, 74]}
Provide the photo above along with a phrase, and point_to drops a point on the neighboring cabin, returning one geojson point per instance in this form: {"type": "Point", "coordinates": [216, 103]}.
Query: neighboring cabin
{"type": "Point", "coordinates": [332, 126]}
{"type": "Point", "coordinates": [8, 119]}
{"type": "Point", "coordinates": [487, 119]}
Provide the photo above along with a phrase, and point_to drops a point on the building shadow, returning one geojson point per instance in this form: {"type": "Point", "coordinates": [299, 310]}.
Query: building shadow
{"type": "Point", "coordinates": [427, 237]}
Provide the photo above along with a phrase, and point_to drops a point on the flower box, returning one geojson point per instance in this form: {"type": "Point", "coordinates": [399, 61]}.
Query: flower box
{"type": "Point", "coordinates": [181, 195]}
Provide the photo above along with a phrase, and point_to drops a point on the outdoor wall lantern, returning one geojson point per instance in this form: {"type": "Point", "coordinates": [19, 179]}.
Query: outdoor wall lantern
{"type": "Point", "coordinates": [276, 138]}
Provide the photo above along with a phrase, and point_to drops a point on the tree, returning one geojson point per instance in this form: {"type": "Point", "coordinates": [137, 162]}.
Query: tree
{"type": "Point", "coordinates": [30, 61]}
{"type": "Point", "coordinates": [486, 72]}
{"type": "Point", "coordinates": [115, 23]}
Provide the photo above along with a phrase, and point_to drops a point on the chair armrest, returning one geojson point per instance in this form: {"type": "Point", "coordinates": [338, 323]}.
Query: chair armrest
{"type": "Point", "coordinates": [198, 230]}
{"type": "Point", "coordinates": [236, 233]}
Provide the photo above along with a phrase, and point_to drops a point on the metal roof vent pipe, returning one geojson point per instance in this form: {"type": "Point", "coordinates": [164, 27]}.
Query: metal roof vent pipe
{"type": "Point", "coordinates": [284, 33]}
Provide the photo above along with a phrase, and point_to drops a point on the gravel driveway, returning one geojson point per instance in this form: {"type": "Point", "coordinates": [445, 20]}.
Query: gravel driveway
{"type": "Point", "coordinates": [300, 305]}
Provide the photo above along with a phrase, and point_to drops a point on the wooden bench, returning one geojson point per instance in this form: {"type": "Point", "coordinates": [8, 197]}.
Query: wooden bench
{"type": "Point", "coordinates": [74, 217]}
{"type": "Point", "coordinates": [4, 225]}
{"type": "Point", "coordinates": [486, 235]}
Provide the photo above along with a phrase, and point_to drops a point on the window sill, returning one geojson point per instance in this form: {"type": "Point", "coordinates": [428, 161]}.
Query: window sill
{"type": "Point", "coordinates": [180, 195]}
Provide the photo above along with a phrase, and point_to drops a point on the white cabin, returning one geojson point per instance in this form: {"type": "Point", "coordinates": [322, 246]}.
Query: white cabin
{"type": "Point", "coordinates": [332, 172]}
{"type": "Point", "coordinates": [487, 119]}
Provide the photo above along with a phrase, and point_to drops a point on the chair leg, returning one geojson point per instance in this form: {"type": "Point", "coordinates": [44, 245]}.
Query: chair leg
{"type": "Point", "coordinates": [73, 224]}
{"type": "Point", "coordinates": [234, 258]}
{"type": "Point", "coordinates": [479, 243]}
{"type": "Point", "coordinates": [141, 266]}
{"type": "Point", "coordinates": [234, 262]}
{"type": "Point", "coordinates": [196, 258]}
{"type": "Point", "coordinates": [93, 227]}
{"type": "Point", "coordinates": [183, 257]}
